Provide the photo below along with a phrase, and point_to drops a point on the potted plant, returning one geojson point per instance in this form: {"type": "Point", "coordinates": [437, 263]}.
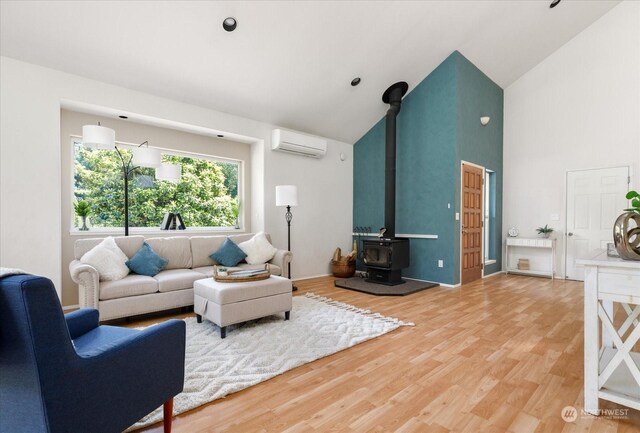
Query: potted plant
{"type": "Point", "coordinates": [634, 196]}
{"type": "Point", "coordinates": [544, 231]}
{"type": "Point", "coordinates": [82, 209]}
{"type": "Point", "coordinates": [626, 230]}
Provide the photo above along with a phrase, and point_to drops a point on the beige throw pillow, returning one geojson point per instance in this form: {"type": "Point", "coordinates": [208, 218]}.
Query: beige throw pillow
{"type": "Point", "coordinates": [258, 249]}
{"type": "Point", "coordinates": [108, 259]}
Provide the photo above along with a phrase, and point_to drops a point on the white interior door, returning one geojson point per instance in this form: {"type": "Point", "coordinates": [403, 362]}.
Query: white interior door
{"type": "Point", "coordinates": [595, 198]}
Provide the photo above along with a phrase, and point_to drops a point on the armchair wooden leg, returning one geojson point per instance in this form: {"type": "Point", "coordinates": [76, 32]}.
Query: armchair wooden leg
{"type": "Point", "coordinates": [168, 415]}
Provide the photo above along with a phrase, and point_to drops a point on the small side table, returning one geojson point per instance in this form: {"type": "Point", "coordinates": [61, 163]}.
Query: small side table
{"type": "Point", "coordinates": [548, 245]}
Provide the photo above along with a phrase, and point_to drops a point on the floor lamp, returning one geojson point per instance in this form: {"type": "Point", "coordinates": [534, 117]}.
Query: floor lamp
{"type": "Point", "coordinates": [287, 195]}
{"type": "Point", "coordinates": [100, 137]}
{"type": "Point", "coordinates": [141, 157]}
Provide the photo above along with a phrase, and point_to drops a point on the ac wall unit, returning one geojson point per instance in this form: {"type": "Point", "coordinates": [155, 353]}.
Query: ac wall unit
{"type": "Point", "coordinates": [298, 144]}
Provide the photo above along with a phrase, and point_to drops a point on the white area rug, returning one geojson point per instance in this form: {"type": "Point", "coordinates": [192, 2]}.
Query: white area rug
{"type": "Point", "coordinates": [259, 350]}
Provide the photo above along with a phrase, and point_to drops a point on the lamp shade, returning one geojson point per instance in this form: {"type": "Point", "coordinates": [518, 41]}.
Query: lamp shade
{"type": "Point", "coordinates": [286, 195]}
{"type": "Point", "coordinates": [169, 172]}
{"type": "Point", "coordinates": [146, 157]}
{"type": "Point", "coordinates": [98, 137]}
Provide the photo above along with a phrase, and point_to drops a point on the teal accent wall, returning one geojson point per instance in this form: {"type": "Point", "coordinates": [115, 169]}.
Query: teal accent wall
{"type": "Point", "coordinates": [438, 127]}
{"type": "Point", "coordinates": [479, 96]}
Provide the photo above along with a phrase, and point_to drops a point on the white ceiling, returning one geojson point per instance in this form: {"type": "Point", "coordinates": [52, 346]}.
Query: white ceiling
{"type": "Point", "coordinates": [288, 63]}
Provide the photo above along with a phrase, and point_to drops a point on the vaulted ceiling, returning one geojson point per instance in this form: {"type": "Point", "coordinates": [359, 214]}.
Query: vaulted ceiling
{"type": "Point", "coordinates": [289, 63]}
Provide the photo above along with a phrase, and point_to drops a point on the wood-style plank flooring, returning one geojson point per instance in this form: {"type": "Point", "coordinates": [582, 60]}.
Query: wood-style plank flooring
{"type": "Point", "coordinates": [504, 354]}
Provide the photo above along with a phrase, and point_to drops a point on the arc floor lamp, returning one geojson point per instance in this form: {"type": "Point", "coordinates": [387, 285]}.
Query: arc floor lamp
{"type": "Point", "coordinates": [287, 195]}
{"type": "Point", "coordinates": [101, 137]}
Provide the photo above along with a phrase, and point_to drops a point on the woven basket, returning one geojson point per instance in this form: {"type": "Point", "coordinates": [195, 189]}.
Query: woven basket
{"type": "Point", "coordinates": [343, 269]}
{"type": "Point", "coordinates": [241, 278]}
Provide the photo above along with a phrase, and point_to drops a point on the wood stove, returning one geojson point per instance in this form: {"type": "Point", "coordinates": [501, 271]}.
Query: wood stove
{"type": "Point", "coordinates": [385, 259]}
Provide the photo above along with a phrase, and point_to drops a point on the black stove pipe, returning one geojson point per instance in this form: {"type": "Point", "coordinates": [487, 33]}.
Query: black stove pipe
{"type": "Point", "coordinates": [392, 96]}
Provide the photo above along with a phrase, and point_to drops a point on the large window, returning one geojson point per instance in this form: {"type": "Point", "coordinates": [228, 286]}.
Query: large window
{"type": "Point", "coordinates": [206, 196]}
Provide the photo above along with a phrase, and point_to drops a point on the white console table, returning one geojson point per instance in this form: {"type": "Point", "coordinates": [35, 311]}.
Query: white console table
{"type": "Point", "coordinates": [548, 244]}
{"type": "Point", "coordinates": [611, 368]}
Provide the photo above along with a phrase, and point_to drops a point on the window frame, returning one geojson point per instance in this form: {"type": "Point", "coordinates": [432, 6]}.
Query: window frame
{"type": "Point", "coordinates": [489, 192]}
{"type": "Point", "coordinates": [155, 230]}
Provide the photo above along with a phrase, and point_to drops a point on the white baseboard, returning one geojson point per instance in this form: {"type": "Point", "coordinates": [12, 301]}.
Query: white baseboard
{"type": "Point", "coordinates": [458, 285]}
{"type": "Point", "coordinates": [453, 286]}
{"type": "Point", "coordinates": [71, 307]}
{"type": "Point", "coordinates": [450, 286]}
{"type": "Point", "coordinates": [313, 276]}
{"type": "Point", "coordinates": [493, 275]}
{"type": "Point", "coordinates": [422, 281]}
{"type": "Point", "coordinates": [428, 281]}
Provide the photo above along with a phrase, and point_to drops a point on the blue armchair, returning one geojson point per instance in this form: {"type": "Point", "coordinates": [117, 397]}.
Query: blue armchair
{"type": "Point", "coordinates": [68, 374]}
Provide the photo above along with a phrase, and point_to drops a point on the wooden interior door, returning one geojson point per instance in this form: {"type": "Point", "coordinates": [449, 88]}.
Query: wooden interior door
{"type": "Point", "coordinates": [471, 227]}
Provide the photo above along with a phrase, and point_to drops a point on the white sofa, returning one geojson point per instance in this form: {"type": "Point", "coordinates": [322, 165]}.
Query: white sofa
{"type": "Point", "coordinates": [172, 288]}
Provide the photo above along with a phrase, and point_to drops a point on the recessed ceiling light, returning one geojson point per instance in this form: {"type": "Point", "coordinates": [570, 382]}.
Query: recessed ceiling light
{"type": "Point", "coordinates": [355, 81]}
{"type": "Point", "coordinates": [123, 117]}
{"type": "Point", "coordinates": [229, 24]}
{"type": "Point", "coordinates": [554, 3]}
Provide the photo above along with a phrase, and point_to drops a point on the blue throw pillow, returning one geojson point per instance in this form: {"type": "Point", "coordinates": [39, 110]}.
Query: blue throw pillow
{"type": "Point", "coordinates": [146, 261]}
{"type": "Point", "coordinates": [229, 254]}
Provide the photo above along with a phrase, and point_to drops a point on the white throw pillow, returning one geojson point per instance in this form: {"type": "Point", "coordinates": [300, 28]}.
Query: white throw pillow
{"type": "Point", "coordinates": [258, 249]}
{"type": "Point", "coordinates": [111, 244]}
{"type": "Point", "coordinates": [108, 259]}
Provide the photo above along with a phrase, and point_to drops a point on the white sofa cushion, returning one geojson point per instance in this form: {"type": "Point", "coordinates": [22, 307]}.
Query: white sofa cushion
{"type": "Point", "coordinates": [202, 247]}
{"type": "Point", "coordinates": [176, 249]}
{"type": "Point", "coordinates": [128, 244]}
{"type": "Point", "coordinates": [108, 260]}
{"type": "Point", "coordinates": [238, 239]}
{"type": "Point", "coordinates": [206, 271]}
{"type": "Point", "coordinates": [131, 285]}
{"type": "Point", "coordinates": [177, 279]}
{"type": "Point", "coordinates": [258, 249]}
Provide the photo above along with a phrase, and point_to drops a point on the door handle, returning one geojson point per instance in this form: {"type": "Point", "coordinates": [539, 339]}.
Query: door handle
{"type": "Point", "coordinates": [570, 234]}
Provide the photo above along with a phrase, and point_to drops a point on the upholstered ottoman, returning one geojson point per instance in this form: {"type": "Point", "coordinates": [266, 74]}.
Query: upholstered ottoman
{"type": "Point", "coordinates": [228, 303]}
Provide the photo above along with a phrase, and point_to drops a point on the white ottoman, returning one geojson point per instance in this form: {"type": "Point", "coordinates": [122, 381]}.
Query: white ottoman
{"type": "Point", "coordinates": [229, 303]}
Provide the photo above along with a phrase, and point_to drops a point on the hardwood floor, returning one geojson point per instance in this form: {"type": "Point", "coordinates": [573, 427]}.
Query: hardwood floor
{"type": "Point", "coordinates": [503, 354]}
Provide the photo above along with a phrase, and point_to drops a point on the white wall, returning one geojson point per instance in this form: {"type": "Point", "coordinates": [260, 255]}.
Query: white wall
{"type": "Point", "coordinates": [325, 206]}
{"type": "Point", "coordinates": [579, 108]}
{"type": "Point", "coordinates": [30, 170]}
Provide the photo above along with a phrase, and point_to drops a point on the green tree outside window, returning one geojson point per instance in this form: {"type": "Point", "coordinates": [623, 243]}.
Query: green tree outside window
{"type": "Point", "coordinates": [206, 196]}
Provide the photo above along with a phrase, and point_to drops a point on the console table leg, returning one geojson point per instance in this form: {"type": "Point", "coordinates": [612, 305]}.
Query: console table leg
{"type": "Point", "coordinates": [607, 341]}
{"type": "Point", "coordinates": [591, 341]}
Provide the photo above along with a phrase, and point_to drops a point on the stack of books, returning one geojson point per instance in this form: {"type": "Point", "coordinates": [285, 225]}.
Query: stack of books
{"type": "Point", "coordinates": [523, 264]}
{"type": "Point", "coordinates": [248, 273]}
